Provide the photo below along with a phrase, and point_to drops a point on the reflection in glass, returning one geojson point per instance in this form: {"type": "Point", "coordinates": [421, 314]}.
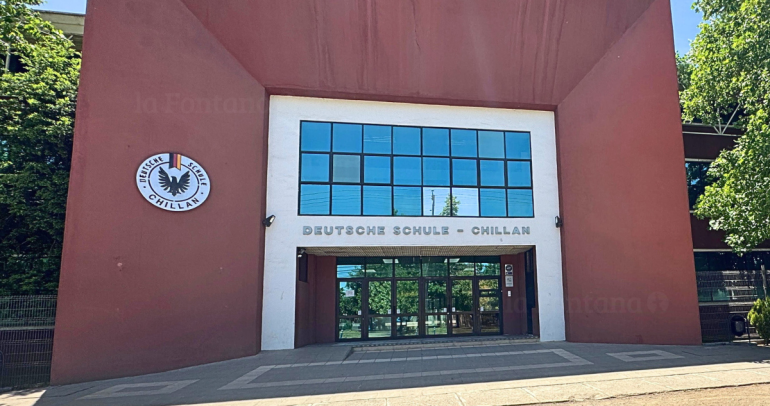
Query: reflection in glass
{"type": "Point", "coordinates": [464, 172]}
{"type": "Point", "coordinates": [519, 174]}
{"type": "Point", "coordinates": [380, 297]}
{"type": "Point", "coordinates": [350, 328]}
{"type": "Point", "coordinates": [462, 323]}
{"type": "Point", "coordinates": [346, 200]}
{"type": "Point", "coordinates": [435, 325]}
{"type": "Point", "coordinates": [407, 326]}
{"type": "Point", "coordinates": [314, 199]}
{"type": "Point", "coordinates": [407, 201]}
{"type": "Point", "coordinates": [491, 144]}
{"type": "Point", "coordinates": [435, 171]}
{"type": "Point", "coordinates": [377, 201]}
{"type": "Point", "coordinates": [490, 322]}
{"type": "Point", "coordinates": [379, 327]}
{"type": "Point", "coordinates": [376, 169]}
{"type": "Point", "coordinates": [492, 202]}
{"type": "Point", "coordinates": [697, 180]}
{"type": "Point", "coordinates": [350, 267]}
{"type": "Point", "coordinates": [435, 202]}
{"type": "Point", "coordinates": [464, 143]}
{"type": "Point", "coordinates": [435, 296]}
{"type": "Point", "coordinates": [349, 298]}
{"type": "Point", "coordinates": [407, 297]}
{"type": "Point", "coordinates": [315, 136]}
{"type": "Point", "coordinates": [434, 266]}
{"type": "Point", "coordinates": [347, 138]}
{"type": "Point", "coordinates": [347, 168]}
{"type": "Point", "coordinates": [462, 266]}
{"type": "Point", "coordinates": [435, 141]}
{"type": "Point", "coordinates": [489, 295]}
{"type": "Point", "coordinates": [492, 173]}
{"type": "Point", "coordinates": [379, 267]}
{"type": "Point", "coordinates": [517, 145]}
{"type": "Point", "coordinates": [406, 141]}
{"type": "Point", "coordinates": [407, 267]}
{"type": "Point", "coordinates": [488, 266]}
{"type": "Point", "coordinates": [462, 295]}
{"type": "Point", "coordinates": [520, 203]}
{"type": "Point", "coordinates": [315, 168]}
{"type": "Point", "coordinates": [377, 139]}
{"type": "Point", "coordinates": [407, 171]}
{"type": "Point", "coordinates": [465, 202]}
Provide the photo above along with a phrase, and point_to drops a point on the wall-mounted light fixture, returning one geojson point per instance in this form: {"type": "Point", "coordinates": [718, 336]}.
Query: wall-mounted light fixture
{"type": "Point", "coordinates": [269, 221]}
{"type": "Point", "coordinates": [559, 223]}
{"type": "Point", "coordinates": [300, 252]}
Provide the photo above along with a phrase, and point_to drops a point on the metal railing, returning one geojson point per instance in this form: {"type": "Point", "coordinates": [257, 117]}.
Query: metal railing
{"type": "Point", "coordinates": [26, 340]}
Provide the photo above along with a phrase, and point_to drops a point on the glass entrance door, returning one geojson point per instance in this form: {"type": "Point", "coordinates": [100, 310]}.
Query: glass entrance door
{"type": "Point", "coordinates": [383, 298]}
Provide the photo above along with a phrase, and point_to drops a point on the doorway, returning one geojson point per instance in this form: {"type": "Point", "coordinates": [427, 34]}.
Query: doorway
{"type": "Point", "coordinates": [403, 297]}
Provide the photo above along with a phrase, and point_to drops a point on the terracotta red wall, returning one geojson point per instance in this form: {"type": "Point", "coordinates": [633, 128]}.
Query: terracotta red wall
{"type": "Point", "coordinates": [144, 289]}
{"type": "Point", "coordinates": [515, 306]}
{"type": "Point", "coordinates": [316, 303]}
{"type": "Point", "coordinates": [628, 264]}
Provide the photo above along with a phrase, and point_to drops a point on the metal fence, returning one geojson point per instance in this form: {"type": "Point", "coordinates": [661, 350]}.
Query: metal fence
{"type": "Point", "coordinates": [26, 340]}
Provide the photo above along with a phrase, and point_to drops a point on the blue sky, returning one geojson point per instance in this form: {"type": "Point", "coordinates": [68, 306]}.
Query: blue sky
{"type": "Point", "coordinates": [685, 19]}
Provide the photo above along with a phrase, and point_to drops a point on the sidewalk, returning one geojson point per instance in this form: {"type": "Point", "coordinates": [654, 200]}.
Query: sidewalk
{"type": "Point", "coordinates": [500, 374]}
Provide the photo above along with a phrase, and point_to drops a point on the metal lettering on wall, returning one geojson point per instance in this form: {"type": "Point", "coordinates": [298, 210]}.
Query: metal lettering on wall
{"type": "Point", "coordinates": [411, 230]}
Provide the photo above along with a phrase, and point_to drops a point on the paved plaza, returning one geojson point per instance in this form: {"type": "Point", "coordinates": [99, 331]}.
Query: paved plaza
{"type": "Point", "coordinates": [492, 372]}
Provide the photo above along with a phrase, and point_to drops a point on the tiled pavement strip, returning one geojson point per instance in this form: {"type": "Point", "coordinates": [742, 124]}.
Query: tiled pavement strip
{"type": "Point", "coordinates": [500, 374]}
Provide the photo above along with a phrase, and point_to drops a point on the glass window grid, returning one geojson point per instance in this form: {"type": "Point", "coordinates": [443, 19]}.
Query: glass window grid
{"type": "Point", "coordinates": [422, 186]}
{"type": "Point", "coordinates": [367, 272]}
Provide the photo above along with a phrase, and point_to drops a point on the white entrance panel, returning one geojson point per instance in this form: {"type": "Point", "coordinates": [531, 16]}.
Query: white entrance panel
{"type": "Point", "coordinates": [290, 230]}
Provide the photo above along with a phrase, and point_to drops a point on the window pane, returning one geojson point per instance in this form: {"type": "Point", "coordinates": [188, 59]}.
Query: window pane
{"type": "Point", "coordinates": [488, 266]}
{"type": "Point", "coordinates": [349, 298]}
{"type": "Point", "coordinates": [377, 201]}
{"type": "Point", "coordinates": [435, 171]}
{"type": "Point", "coordinates": [520, 203]}
{"type": "Point", "coordinates": [492, 173]}
{"type": "Point", "coordinates": [379, 327]}
{"type": "Point", "coordinates": [407, 171]}
{"type": "Point", "coordinates": [435, 141]}
{"type": "Point", "coordinates": [314, 199]}
{"type": "Point", "coordinates": [462, 295]}
{"type": "Point", "coordinates": [315, 168]}
{"type": "Point", "coordinates": [491, 144]}
{"type": "Point", "coordinates": [466, 202]}
{"type": "Point", "coordinates": [519, 174]}
{"type": "Point", "coordinates": [490, 323]}
{"type": "Point", "coordinates": [435, 202]}
{"type": "Point", "coordinates": [462, 266]}
{"type": "Point", "coordinates": [408, 267]}
{"type": "Point", "coordinates": [436, 325]}
{"type": "Point", "coordinates": [346, 200]}
{"type": "Point", "coordinates": [350, 267]}
{"type": "Point", "coordinates": [379, 267]}
{"type": "Point", "coordinates": [347, 137]}
{"type": "Point", "coordinates": [377, 139]}
{"type": "Point", "coordinates": [406, 140]}
{"type": "Point", "coordinates": [407, 325]}
{"type": "Point", "coordinates": [701, 261]}
{"type": "Point", "coordinates": [464, 143]}
{"type": "Point", "coordinates": [315, 136]}
{"type": "Point", "coordinates": [380, 297]}
{"type": "Point", "coordinates": [376, 169]}
{"type": "Point", "coordinates": [517, 146]}
{"type": "Point", "coordinates": [435, 297]}
{"type": "Point", "coordinates": [464, 172]}
{"type": "Point", "coordinates": [407, 201]}
{"type": "Point", "coordinates": [347, 168]}
{"type": "Point", "coordinates": [434, 266]}
{"type": "Point", "coordinates": [350, 328]}
{"type": "Point", "coordinates": [492, 202]}
{"type": "Point", "coordinates": [697, 180]}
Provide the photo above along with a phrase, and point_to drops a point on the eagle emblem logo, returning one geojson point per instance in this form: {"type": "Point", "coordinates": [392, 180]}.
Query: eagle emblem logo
{"type": "Point", "coordinates": [173, 182]}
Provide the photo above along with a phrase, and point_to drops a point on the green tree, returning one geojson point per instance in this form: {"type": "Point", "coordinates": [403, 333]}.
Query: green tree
{"type": "Point", "coordinates": [759, 317]}
{"type": "Point", "coordinates": [730, 83]}
{"type": "Point", "coordinates": [451, 204]}
{"type": "Point", "coordinates": [37, 111]}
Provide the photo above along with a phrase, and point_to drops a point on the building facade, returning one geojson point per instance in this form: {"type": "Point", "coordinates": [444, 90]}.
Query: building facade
{"type": "Point", "coordinates": [322, 171]}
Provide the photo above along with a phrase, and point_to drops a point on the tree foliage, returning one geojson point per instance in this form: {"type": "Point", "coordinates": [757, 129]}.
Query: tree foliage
{"type": "Point", "coordinates": [730, 62]}
{"type": "Point", "coordinates": [759, 317]}
{"type": "Point", "coordinates": [37, 112]}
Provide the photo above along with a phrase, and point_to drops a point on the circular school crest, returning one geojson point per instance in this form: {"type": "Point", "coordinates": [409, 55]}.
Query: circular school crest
{"type": "Point", "coordinates": [173, 182]}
